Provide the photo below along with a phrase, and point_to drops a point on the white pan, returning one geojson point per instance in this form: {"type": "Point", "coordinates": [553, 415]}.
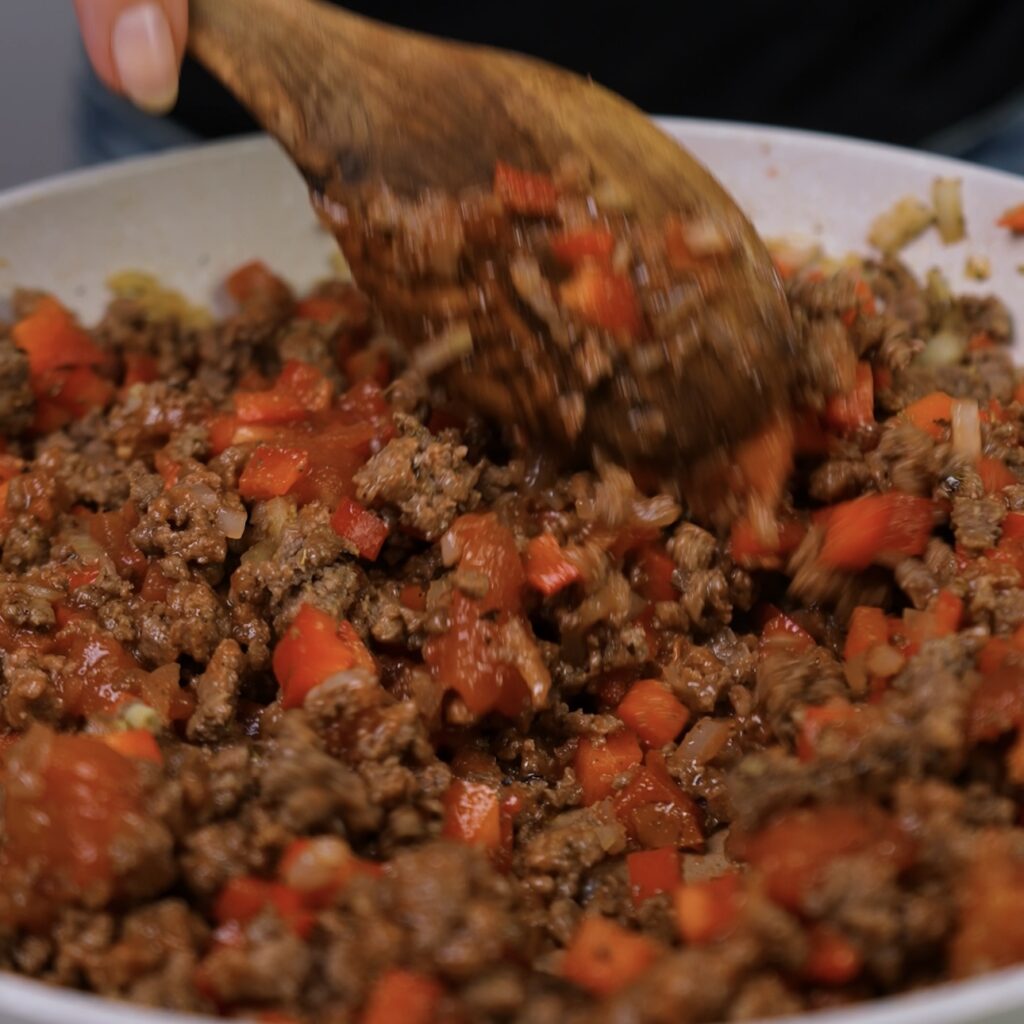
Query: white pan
{"type": "Point", "coordinates": [193, 215]}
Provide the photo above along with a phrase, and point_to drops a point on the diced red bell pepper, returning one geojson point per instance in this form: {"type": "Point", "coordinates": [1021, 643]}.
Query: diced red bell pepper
{"type": "Point", "coordinates": [831, 959]}
{"type": "Point", "coordinates": [862, 531]}
{"type": "Point", "coordinates": [547, 568]}
{"type": "Point", "coordinates": [603, 957]}
{"type": "Point", "coordinates": [1013, 218]}
{"type": "Point", "coordinates": [254, 279]}
{"type": "Point", "coordinates": [300, 389]}
{"type": "Point", "coordinates": [765, 460]}
{"type": "Point", "coordinates": [52, 340]}
{"type": "Point", "coordinates": [651, 873]}
{"type": "Point", "coordinates": [748, 550]}
{"type": "Point", "coordinates": [657, 569]}
{"type": "Point", "coordinates": [868, 628]}
{"type": "Point", "coordinates": [795, 847]}
{"type": "Point", "coordinates": [809, 434]}
{"type": "Point", "coordinates": [817, 719]}
{"type": "Point", "coordinates": [849, 412]}
{"type": "Point", "coordinates": [603, 298]}
{"type": "Point", "coordinates": [933, 414]}
{"type": "Point", "coordinates": [489, 547]}
{"type": "Point", "coordinates": [598, 764]}
{"type": "Point", "coordinates": [707, 911]}
{"type": "Point", "coordinates": [472, 814]}
{"type": "Point", "coordinates": [360, 527]}
{"type": "Point", "coordinates": [655, 811]}
{"type": "Point", "coordinates": [652, 713]}
{"type": "Point", "coordinates": [138, 744]}
{"type": "Point", "coordinates": [245, 897]}
{"type": "Point", "coordinates": [403, 997]}
{"type": "Point", "coordinates": [319, 867]}
{"type": "Point", "coordinates": [315, 646]}
{"type": "Point", "coordinates": [271, 472]}
{"type": "Point", "coordinates": [995, 475]}
{"type": "Point", "coordinates": [525, 192]}
{"type": "Point", "coordinates": [1013, 526]}
{"type": "Point", "coordinates": [573, 247]}
{"type": "Point", "coordinates": [997, 704]}
{"type": "Point", "coordinates": [414, 597]}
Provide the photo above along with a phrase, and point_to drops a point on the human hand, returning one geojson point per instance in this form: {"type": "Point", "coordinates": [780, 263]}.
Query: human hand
{"type": "Point", "coordinates": [136, 47]}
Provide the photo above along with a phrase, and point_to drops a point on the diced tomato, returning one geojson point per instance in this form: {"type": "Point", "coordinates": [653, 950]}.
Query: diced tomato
{"type": "Point", "coordinates": [53, 341]}
{"type": "Point", "coordinates": [655, 811]}
{"type": "Point", "coordinates": [246, 897]}
{"type": "Point", "coordinates": [360, 527]}
{"type": "Point", "coordinates": [403, 997]}
{"type": "Point", "coordinates": [82, 577]}
{"type": "Point", "coordinates": [652, 713]}
{"type": "Point", "coordinates": [933, 414]}
{"type": "Point", "coordinates": [1013, 526]}
{"type": "Point", "coordinates": [488, 547]}
{"type": "Point", "coordinates": [61, 830]}
{"type": "Point", "coordinates": [765, 461]}
{"type": "Point", "coordinates": [809, 435]}
{"type": "Point", "coordinates": [657, 569]}
{"type": "Point", "coordinates": [414, 597]}
{"type": "Point", "coordinates": [139, 368]}
{"type": "Point", "coordinates": [652, 872]}
{"type": "Point", "coordinates": [1013, 218]}
{"type": "Point", "coordinates": [603, 957]}
{"type": "Point", "coordinates": [782, 631]}
{"type": "Point", "coordinates": [251, 280]}
{"type": "Point", "coordinates": [573, 247]}
{"type": "Point", "coordinates": [846, 413]}
{"type": "Point", "coordinates": [749, 551]}
{"type": "Point", "coordinates": [271, 472]}
{"type": "Point", "coordinates": [10, 467]}
{"type": "Point", "coordinates": [138, 744]}
{"type": "Point", "coordinates": [112, 531]}
{"type": "Point", "coordinates": [832, 959]}
{"type": "Point", "coordinates": [868, 628]}
{"type": "Point", "coordinates": [603, 298]}
{"type": "Point", "coordinates": [525, 192]}
{"type": "Point", "coordinates": [314, 648]}
{"type": "Point", "coordinates": [995, 475]}
{"type": "Point", "coordinates": [795, 847]}
{"type": "Point", "coordinates": [980, 341]}
{"type": "Point", "coordinates": [547, 568]}
{"type": "Point", "coordinates": [862, 531]}
{"type": "Point", "coordinates": [947, 612]}
{"type": "Point", "coordinates": [598, 764]}
{"type": "Point", "coordinates": [707, 911]}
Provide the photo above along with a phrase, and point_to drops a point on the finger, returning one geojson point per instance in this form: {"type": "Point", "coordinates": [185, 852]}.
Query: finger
{"type": "Point", "coordinates": [136, 46]}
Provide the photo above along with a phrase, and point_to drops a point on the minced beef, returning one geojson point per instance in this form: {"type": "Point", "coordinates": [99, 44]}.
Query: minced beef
{"type": "Point", "coordinates": [316, 694]}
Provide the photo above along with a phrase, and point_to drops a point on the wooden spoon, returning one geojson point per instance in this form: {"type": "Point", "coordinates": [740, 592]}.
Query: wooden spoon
{"type": "Point", "coordinates": [359, 105]}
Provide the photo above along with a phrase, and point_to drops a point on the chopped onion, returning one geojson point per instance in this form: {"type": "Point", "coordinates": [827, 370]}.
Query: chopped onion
{"type": "Point", "coordinates": [439, 353]}
{"type": "Point", "coordinates": [659, 511]}
{"type": "Point", "coordinates": [966, 428]}
{"type": "Point", "coordinates": [231, 522]}
{"type": "Point", "coordinates": [944, 348]}
{"type": "Point", "coordinates": [704, 742]}
{"type": "Point", "coordinates": [706, 238]}
{"type": "Point", "coordinates": [204, 495]}
{"type": "Point", "coordinates": [978, 268]}
{"type": "Point", "coordinates": [141, 716]}
{"type": "Point", "coordinates": [884, 660]}
{"type": "Point", "coordinates": [451, 549]}
{"type": "Point", "coordinates": [949, 209]}
{"type": "Point", "coordinates": [900, 225]}
{"type": "Point", "coordinates": [86, 548]}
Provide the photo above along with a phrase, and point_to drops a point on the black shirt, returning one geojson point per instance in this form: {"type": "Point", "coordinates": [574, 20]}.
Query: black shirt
{"type": "Point", "coordinates": [894, 70]}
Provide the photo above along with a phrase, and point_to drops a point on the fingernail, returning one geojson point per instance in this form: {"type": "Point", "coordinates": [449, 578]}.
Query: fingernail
{"type": "Point", "coordinates": [144, 54]}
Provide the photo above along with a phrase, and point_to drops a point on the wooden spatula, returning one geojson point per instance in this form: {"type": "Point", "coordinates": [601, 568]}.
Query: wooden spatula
{"type": "Point", "coordinates": [358, 105]}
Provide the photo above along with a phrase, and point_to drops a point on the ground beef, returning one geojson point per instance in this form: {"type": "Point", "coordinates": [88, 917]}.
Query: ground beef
{"type": "Point", "coordinates": [360, 689]}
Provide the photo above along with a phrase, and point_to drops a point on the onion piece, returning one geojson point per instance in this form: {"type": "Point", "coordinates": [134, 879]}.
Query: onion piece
{"type": "Point", "coordinates": [704, 742]}
{"type": "Point", "coordinates": [949, 209]}
{"type": "Point", "coordinates": [900, 225]}
{"type": "Point", "coordinates": [439, 353]}
{"type": "Point", "coordinates": [944, 348]}
{"type": "Point", "coordinates": [231, 522]}
{"type": "Point", "coordinates": [966, 428]}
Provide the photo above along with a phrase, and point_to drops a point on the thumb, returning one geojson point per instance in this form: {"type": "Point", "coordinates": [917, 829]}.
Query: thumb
{"type": "Point", "coordinates": [136, 47]}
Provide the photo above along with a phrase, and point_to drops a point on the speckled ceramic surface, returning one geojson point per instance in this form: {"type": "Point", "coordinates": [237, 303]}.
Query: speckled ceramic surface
{"type": "Point", "coordinates": [191, 216]}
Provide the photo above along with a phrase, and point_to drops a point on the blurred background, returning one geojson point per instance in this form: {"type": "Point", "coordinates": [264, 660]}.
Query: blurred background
{"type": "Point", "coordinates": [943, 75]}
